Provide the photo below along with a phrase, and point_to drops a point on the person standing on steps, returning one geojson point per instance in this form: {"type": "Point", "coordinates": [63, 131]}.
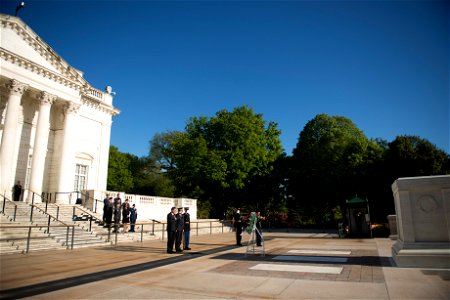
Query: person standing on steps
{"type": "Point", "coordinates": [105, 206]}
{"type": "Point", "coordinates": [117, 212]}
{"type": "Point", "coordinates": [187, 228]}
{"type": "Point", "coordinates": [109, 212]}
{"type": "Point", "coordinates": [171, 229]}
{"type": "Point", "coordinates": [17, 191]}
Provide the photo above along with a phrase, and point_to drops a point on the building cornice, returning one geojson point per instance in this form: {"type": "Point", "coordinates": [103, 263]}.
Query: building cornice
{"type": "Point", "coordinates": [64, 74]}
{"type": "Point", "coordinates": [100, 106]}
{"type": "Point", "coordinates": [90, 96]}
{"type": "Point", "coordinates": [41, 47]}
{"type": "Point", "coordinates": [27, 64]}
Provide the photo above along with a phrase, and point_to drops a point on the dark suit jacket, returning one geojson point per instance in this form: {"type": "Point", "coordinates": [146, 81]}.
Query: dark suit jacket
{"type": "Point", "coordinates": [171, 222]}
{"type": "Point", "coordinates": [237, 220]}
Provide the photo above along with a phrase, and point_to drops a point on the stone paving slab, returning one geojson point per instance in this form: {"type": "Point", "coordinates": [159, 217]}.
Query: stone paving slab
{"type": "Point", "coordinates": [216, 269]}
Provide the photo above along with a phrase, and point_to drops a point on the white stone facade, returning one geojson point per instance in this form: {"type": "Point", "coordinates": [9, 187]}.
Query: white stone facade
{"type": "Point", "coordinates": [54, 126]}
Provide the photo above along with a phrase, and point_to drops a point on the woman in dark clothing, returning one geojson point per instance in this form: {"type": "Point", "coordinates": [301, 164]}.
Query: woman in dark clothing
{"type": "Point", "coordinates": [125, 215]}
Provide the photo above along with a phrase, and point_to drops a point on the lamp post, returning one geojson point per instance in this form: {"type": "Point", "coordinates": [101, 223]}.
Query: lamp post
{"type": "Point", "coordinates": [19, 7]}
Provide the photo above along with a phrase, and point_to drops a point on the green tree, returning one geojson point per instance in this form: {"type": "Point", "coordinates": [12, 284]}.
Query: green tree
{"type": "Point", "coordinates": [120, 178]}
{"type": "Point", "coordinates": [406, 156]}
{"type": "Point", "coordinates": [148, 178]}
{"type": "Point", "coordinates": [161, 149]}
{"type": "Point", "coordinates": [218, 159]}
{"type": "Point", "coordinates": [413, 156]}
{"type": "Point", "coordinates": [137, 175]}
{"type": "Point", "coordinates": [327, 161]}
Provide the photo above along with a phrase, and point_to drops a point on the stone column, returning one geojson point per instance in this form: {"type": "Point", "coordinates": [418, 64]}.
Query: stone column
{"type": "Point", "coordinates": [66, 172]}
{"type": "Point", "coordinates": [8, 143]}
{"type": "Point", "coordinates": [40, 145]}
{"type": "Point", "coordinates": [104, 156]}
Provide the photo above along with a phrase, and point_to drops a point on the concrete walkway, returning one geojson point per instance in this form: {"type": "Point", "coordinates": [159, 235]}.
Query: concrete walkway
{"type": "Point", "coordinates": [295, 266]}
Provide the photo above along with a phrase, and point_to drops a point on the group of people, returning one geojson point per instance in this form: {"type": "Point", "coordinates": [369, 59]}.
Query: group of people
{"type": "Point", "coordinates": [178, 230]}
{"type": "Point", "coordinates": [240, 224]}
{"type": "Point", "coordinates": [115, 208]}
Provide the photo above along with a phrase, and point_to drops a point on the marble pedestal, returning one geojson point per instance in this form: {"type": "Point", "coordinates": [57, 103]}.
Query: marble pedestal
{"type": "Point", "coordinates": [422, 207]}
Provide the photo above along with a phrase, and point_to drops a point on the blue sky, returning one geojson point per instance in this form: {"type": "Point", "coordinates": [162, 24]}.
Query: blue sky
{"type": "Point", "coordinates": [382, 64]}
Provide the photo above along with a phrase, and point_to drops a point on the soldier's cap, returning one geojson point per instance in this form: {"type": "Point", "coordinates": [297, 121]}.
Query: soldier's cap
{"type": "Point", "coordinates": [186, 208]}
{"type": "Point", "coordinates": [180, 208]}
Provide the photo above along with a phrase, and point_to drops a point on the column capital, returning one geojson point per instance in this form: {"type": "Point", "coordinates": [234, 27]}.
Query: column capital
{"type": "Point", "coordinates": [46, 98]}
{"type": "Point", "coordinates": [70, 107]}
{"type": "Point", "coordinates": [16, 87]}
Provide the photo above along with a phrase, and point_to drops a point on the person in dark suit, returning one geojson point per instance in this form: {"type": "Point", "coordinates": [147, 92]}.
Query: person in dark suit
{"type": "Point", "coordinates": [117, 212]}
{"type": "Point", "coordinates": [105, 208]}
{"type": "Point", "coordinates": [187, 228]}
{"type": "Point", "coordinates": [171, 229]}
{"type": "Point", "coordinates": [238, 226]}
{"type": "Point", "coordinates": [109, 212]}
{"type": "Point", "coordinates": [180, 227]}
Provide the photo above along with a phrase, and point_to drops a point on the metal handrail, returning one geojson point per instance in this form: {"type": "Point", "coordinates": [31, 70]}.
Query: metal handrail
{"type": "Point", "coordinates": [9, 202]}
{"type": "Point", "coordinates": [196, 228]}
{"type": "Point", "coordinates": [55, 218]}
{"type": "Point", "coordinates": [40, 226]}
{"type": "Point", "coordinates": [95, 218]}
{"type": "Point", "coordinates": [49, 216]}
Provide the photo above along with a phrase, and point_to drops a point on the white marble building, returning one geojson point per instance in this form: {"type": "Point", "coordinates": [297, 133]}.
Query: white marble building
{"type": "Point", "coordinates": [54, 126]}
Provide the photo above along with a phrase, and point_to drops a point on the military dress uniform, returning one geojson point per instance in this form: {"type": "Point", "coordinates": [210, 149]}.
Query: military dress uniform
{"type": "Point", "coordinates": [187, 228]}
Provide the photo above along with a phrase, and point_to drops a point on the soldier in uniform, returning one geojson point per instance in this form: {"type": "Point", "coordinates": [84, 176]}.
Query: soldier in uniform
{"type": "Point", "coordinates": [180, 227]}
{"type": "Point", "coordinates": [238, 226]}
{"type": "Point", "coordinates": [187, 228]}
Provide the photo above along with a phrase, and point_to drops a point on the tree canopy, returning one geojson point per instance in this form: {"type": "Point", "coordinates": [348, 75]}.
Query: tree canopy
{"type": "Point", "coordinates": [218, 158]}
{"type": "Point", "coordinates": [235, 159]}
{"type": "Point", "coordinates": [120, 177]}
{"type": "Point", "coordinates": [334, 161]}
{"type": "Point", "coordinates": [329, 152]}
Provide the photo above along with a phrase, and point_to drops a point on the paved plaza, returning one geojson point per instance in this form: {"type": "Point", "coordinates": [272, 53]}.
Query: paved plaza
{"type": "Point", "coordinates": [289, 266]}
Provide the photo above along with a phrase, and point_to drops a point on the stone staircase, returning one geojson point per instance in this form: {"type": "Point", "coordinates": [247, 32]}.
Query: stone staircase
{"type": "Point", "coordinates": [14, 240]}
{"type": "Point", "coordinates": [88, 230]}
{"type": "Point", "coordinates": [18, 214]}
{"type": "Point", "coordinates": [66, 213]}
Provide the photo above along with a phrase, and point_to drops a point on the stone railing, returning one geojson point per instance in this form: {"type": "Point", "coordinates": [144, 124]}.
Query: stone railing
{"type": "Point", "coordinates": [148, 207]}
